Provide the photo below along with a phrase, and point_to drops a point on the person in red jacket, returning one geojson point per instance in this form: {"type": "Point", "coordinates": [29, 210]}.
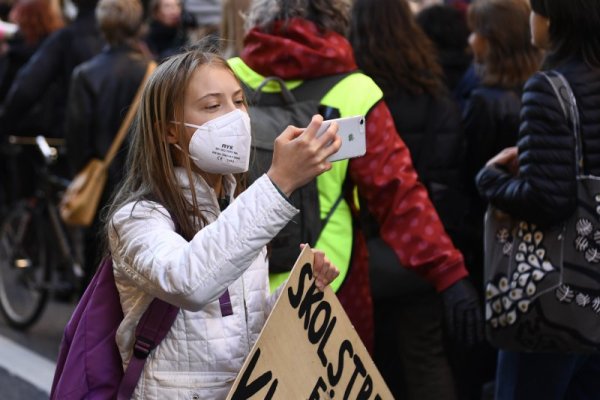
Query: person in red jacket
{"type": "Point", "coordinates": [303, 40]}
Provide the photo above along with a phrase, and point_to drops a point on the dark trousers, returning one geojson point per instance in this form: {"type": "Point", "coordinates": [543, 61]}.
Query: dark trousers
{"type": "Point", "coordinates": [543, 376]}
{"type": "Point", "coordinates": [409, 350]}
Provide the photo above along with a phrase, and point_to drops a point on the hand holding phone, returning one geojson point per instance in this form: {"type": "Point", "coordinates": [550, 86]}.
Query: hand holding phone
{"type": "Point", "coordinates": [352, 132]}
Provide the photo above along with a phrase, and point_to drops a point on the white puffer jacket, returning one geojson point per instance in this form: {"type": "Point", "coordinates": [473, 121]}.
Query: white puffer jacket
{"type": "Point", "coordinates": [203, 352]}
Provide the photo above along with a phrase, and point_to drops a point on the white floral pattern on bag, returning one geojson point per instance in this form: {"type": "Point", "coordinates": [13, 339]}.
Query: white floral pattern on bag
{"type": "Point", "coordinates": [565, 294]}
{"type": "Point", "coordinates": [509, 297]}
{"type": "Point", "coordinates": [587, 240]}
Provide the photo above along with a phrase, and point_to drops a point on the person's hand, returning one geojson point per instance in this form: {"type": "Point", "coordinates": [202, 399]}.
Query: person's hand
{"type": "Point", "coordinates": [462, 312]}
{"type": "Point", "coordinates": [299, 156]}
{"type": "Point", "coordinates": [324, 271]}
{"type": "Point", "coordinates": [509, 158]}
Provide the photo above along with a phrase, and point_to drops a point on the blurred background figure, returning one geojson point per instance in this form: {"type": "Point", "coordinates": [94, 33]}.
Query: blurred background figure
{"type": "Point", "coordinates": [390, 47]}
{"type": "Point", "coordinates": [41, 84]}
{"type": "Point", "coordinates": [207, 16]}
{"type": "Point", "coordinates": [100, 94]}
{"type": "Point", "coordinates": [232, 26]}
{"type": "Point", "coordinates": [167, 28]}
{"type": "Point", "coordinates": [35, 99]}
{"type": "Point", "coordinates": [35, 21]}
{"type": "Point", "coordinates": [418, 5]}
{"type": "Point", "coordinates": [504, 60]}
{"type": "Point", "coordinates": [447, 28]}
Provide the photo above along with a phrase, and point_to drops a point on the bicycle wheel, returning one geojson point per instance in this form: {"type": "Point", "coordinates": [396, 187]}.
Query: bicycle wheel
{"type": "Point", "coordinates": [24, 269]}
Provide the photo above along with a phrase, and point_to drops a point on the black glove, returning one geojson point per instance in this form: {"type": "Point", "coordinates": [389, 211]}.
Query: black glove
{"type": "Point", "coordinates": [462, 313]}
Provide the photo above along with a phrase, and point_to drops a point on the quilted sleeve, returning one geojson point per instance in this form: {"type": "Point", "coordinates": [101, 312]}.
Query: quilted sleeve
{"type": "Point", "coordinates": [408, 222]}
{"type": "Point", "coordinates": [544, 191]}
{"type": "Point", "coordinates": [159, 261]}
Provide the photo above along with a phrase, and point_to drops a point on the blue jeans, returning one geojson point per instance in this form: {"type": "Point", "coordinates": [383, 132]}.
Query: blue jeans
{"type": "Point", "coordinates": [544, 376]}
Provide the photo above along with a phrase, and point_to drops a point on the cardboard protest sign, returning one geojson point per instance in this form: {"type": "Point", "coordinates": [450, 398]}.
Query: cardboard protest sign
{"type": "Point", "coordinates": [308, 349]}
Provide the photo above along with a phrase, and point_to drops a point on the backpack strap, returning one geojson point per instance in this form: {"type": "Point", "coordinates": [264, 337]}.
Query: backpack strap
{"type": "Point", "coordinates": [317, 88]}
{"type": "Point", "coordinates": [312, 89]}
{"type": "Point", "coordinates": [346, 189]}
{"type": "Point", "coordinates": [152, 328]}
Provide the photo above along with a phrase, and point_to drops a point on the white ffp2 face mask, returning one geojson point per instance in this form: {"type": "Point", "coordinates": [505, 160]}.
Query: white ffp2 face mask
{"type": "Point", "coordinates": [222, 145]}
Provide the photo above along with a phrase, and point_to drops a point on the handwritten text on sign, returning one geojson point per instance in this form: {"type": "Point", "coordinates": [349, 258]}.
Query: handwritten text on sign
{"type": "Point", "coordinates": [308, 349]}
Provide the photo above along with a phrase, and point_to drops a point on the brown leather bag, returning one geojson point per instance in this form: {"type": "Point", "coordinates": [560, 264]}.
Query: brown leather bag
{"type": "Point", "coordinates": [80, 202]}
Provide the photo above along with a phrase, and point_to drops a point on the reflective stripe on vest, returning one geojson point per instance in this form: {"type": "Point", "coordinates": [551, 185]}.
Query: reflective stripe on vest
{"type": "Point", "coordinates": [354, 95]}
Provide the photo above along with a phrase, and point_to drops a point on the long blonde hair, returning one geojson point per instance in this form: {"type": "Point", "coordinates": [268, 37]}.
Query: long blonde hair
{"type": "Point", "coordinates": [150, 168]}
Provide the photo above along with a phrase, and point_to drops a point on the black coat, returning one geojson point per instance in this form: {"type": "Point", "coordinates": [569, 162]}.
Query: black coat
{"type": "Point", "coordinates": [19, 52]}
{"type": "Point", "coordinates": [431, 128]}
{"type": "Point", "coordinates": [36, 100]}
{"type": "Point", "coordinates": [544, 191]}
{"type": "Point", "coordinates": [164, 41]}
{"type": "Point", "coordinates": [101, 92]}
{"type": "Point", "coordinates": [413, 116]}
{"type": "Point", "coordinates": [491, 122]}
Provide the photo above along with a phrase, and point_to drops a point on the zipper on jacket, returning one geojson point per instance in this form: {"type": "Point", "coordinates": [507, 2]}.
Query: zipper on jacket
{"type": "Point", "coordinates": [246, 313]}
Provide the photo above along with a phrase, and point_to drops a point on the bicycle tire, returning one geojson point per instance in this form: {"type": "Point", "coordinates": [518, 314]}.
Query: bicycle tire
{"type": "Point", "coordinates": [25, 272]}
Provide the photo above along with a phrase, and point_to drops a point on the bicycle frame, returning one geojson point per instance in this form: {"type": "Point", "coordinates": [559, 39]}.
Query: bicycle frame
{"type": "Point", "coordinates": [33, 220]}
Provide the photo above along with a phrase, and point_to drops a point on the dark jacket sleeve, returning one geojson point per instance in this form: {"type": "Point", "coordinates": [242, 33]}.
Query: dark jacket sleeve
{"type": "Point", "coordinates": [79, 117]}
{"type": "Point", "coordinates": [480, 131]}
{"type": "Point", "coordinates": [32, 81]}
{"type": "Point", "coordinates": [544, 191]}
{"type": "Point", "coordinates": [408, 222]}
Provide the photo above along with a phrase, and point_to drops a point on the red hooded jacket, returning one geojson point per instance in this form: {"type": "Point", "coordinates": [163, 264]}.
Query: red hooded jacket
{"type": "Point", "coordinates": [385, 176]}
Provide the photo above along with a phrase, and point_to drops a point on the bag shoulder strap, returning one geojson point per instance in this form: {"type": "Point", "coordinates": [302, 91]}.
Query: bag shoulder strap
{"type": "Point", "coordinates": [568, 103]}
{"type": "Point", "coordinates": [152, 328]}
{"type": "Point", "coordinates": [150, 331]}
{"type": "Point", "coordinates": [124, 128]}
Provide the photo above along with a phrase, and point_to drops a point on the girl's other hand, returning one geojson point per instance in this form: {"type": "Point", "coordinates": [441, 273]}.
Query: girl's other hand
{"type": "Point", "coordinates": [299, 155]}
{"type": "Point", "coordinates": [323, 270]}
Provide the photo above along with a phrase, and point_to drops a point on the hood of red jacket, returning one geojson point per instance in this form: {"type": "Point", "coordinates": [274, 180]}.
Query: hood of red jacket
{"type": "Point", "coordinates": [297, 49]}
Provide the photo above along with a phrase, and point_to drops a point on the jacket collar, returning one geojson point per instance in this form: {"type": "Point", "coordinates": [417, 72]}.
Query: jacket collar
{"type": "Point", "coordinates": [205, 195]}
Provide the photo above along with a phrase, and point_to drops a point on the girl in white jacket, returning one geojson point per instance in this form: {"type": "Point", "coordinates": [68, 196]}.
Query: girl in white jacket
{"type": "Point", "coordinates": [189, 149]}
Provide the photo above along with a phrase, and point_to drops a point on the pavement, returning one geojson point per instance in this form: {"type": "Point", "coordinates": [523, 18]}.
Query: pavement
{"type": "Point", "coordinates": [28, 359]}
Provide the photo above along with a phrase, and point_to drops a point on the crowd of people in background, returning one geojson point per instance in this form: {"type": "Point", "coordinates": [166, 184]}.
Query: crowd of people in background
{"type": "Point", "coordinates": [441, 85]}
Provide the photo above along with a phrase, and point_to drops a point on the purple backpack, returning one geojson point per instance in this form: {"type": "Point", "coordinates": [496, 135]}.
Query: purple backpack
{"type": "Point", "coordinates": [89, 364]}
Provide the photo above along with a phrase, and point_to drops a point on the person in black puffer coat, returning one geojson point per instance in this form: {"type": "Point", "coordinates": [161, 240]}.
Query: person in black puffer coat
{"type": "Point", "coordinates": [409, 349]}
{"type": "Point", "coordinates": [101, 92]}
{"type": "Point", "coordinates": [536, 180]}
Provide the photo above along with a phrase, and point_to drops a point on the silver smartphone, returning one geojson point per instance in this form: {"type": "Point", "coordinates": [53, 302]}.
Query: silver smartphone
{"type": "Point", "coordinates": [352, 132]}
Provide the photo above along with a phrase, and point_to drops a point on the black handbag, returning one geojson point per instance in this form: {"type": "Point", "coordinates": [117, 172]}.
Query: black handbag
{"type": "Point", "coordinates": [542, 286]}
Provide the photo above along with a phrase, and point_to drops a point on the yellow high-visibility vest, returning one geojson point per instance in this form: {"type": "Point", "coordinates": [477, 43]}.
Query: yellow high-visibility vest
{"type": "Point", "coordinates": [356, 94]}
